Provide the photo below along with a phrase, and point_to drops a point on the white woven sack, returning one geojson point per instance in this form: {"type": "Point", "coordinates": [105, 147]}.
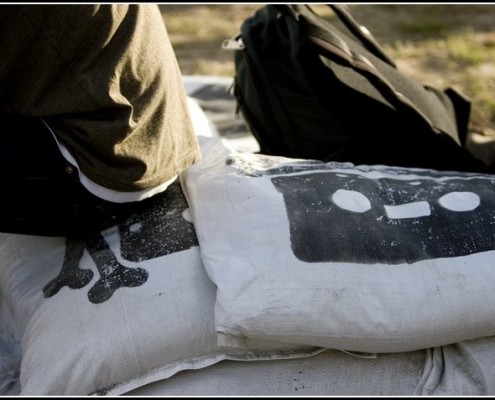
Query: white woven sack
{"type": "Point", "coordinates": [10, 352]}
{"type": "Point", "coordinates": [331, 373]}
{"type": "Point", "coordinates": [461, 369]}
{"type": "Point", "coordinates": [116, 310]}
{"type": "Point", "coordinates": [371, 259]}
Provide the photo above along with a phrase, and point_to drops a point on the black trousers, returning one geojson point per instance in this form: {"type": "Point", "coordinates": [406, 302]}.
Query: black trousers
{"type": "Point", "coordinates": [40, 191]}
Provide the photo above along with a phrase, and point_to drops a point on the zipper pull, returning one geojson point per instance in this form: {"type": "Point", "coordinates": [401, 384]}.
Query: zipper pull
{"type": "Point", "coordinates": [233, 44]}
{"type": "Point", "coordinates": [233, 92]}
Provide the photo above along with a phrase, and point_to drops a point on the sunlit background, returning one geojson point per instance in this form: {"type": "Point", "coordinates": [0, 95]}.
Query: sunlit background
{"type": "Point", "coordinates": [439, 44]}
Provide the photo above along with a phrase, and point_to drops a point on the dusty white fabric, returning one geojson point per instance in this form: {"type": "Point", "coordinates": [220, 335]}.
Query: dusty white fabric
{"type": "Point", "coordinates": [113, 311]}
{"type": "Point", "coordinates": [462, 369]}
{"type": "Point", "coordinates": [215, 97]}
{"type": "Point", "coordinates": [295, 260]}
{"type": "Point", "coordinates": [465, 368]}
{"type": "Point", "coordinates": [331, 373]}
{"type": "Point", "coordinates": [202, 125]}
{"type": "Point", "coordinates": [10, 353]}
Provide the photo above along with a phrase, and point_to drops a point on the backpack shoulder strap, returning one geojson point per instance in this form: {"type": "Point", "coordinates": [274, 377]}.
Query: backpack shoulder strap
{"type": "Point", "coordinates": [360, 31]}
{"type": "Point", "coordinates": [342, 12]}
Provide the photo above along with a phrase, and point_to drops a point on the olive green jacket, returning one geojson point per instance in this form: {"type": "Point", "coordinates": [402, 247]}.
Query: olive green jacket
{"type": "Point", "coordinates": [106, 80]}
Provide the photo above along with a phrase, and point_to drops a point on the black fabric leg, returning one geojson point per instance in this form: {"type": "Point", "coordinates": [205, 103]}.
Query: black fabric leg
{"type": "Point", "coordinates": [40, 191]}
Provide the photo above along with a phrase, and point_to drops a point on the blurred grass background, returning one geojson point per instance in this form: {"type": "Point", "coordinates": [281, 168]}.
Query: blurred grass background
{"type": "Point", "coordinates": [439, 44]}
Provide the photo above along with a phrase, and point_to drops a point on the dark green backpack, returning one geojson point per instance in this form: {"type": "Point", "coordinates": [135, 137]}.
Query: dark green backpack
{"type": "Point", "coordinates": [309, 89]}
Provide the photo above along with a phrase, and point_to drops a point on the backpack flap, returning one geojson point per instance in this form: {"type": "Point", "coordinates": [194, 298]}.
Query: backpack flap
{"type": "Point", "coordinates": [396, 89]}
{"type": "Point", "coordinates": [309, 90]}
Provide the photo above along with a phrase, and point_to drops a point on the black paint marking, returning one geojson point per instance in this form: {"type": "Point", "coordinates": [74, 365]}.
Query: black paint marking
{"type": "Point", "coordinates": [113, 275]}
{"type": "Point", "coordinates": [322, 231]}
{"type": "Point", "coordinates": [158, 228]}
{"type": "Point", "coordinates": [70, 275]}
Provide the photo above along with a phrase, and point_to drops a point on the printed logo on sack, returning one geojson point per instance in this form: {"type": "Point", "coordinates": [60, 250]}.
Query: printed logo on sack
{"type": "Point", "coordinates": [156, 230]}
{"type": "Point", "coordinates": [339, 212]}
{"type": "Point", "coordinates": [345, 217]}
